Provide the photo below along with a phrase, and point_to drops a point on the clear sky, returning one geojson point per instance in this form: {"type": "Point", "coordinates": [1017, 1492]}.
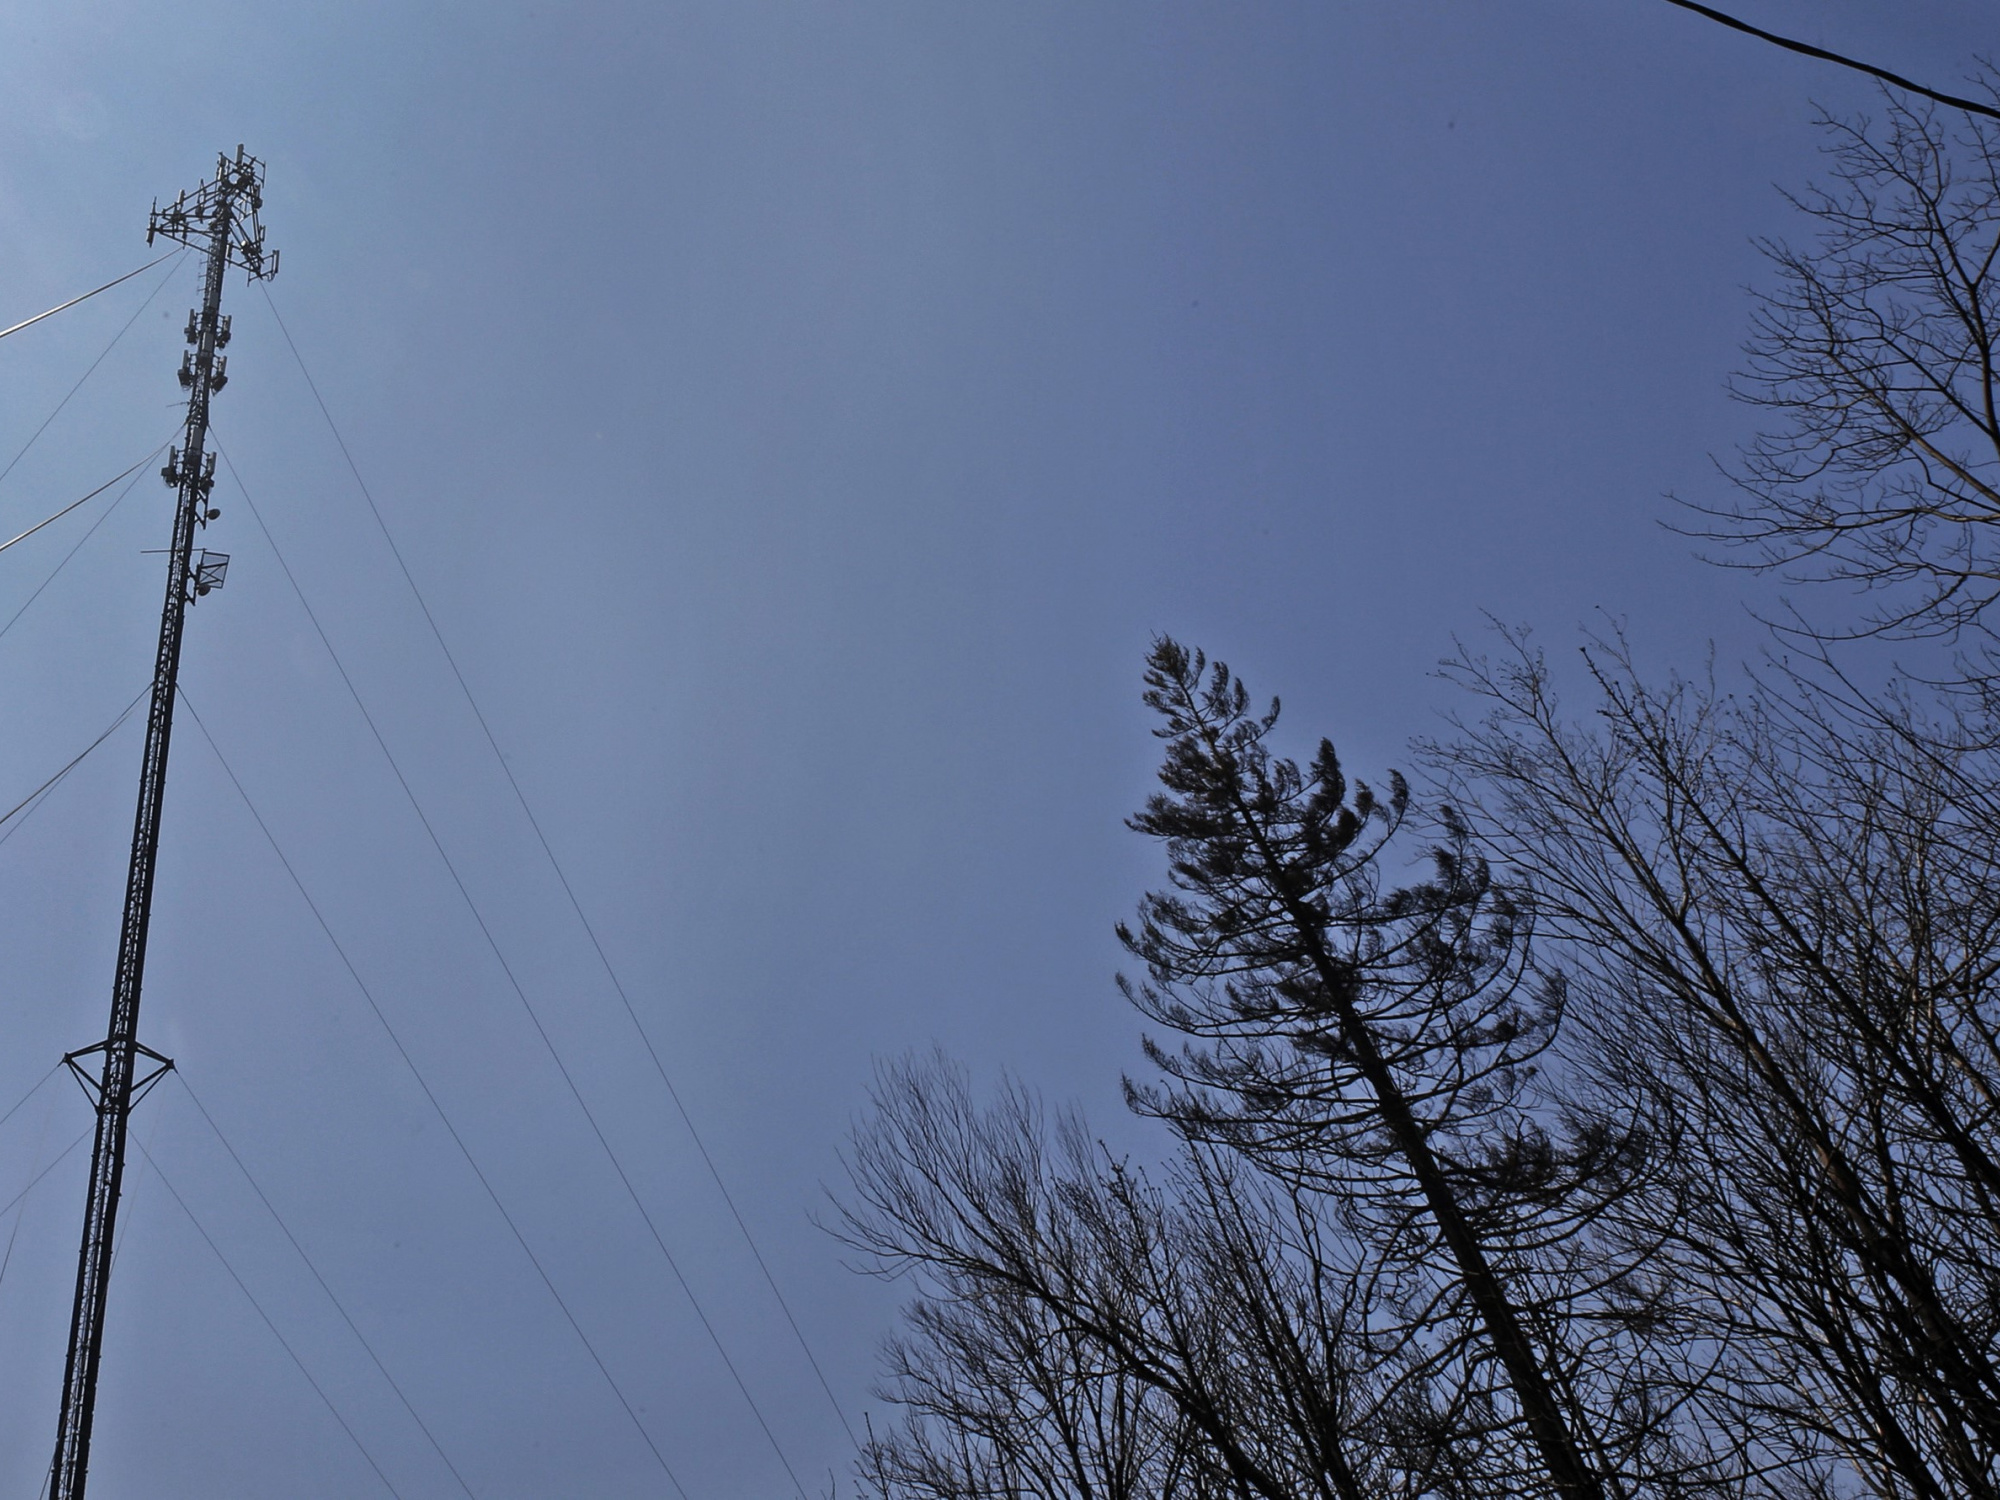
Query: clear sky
{"type": "Point", "coordinates": [798, 418]}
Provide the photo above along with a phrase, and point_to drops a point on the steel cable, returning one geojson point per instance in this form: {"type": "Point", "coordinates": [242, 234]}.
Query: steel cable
{"type": "Point", "coordinates": [41, 1143]}
{"type": "Point", "coordinates": [514, 983]}
{"type": "Point", "coordinates": [293, 1240]}
{"type": "Point", "coordinates": [65, 306]}
{"type": "Point", "coordinates": [250, 1297]}
{"type": "Point", "coordinates": [22, 1101]}
{"type": "Point", "coordinates": [437, 1106]}
{"type": "Point", "coordinates": [562, 876]}
{"type": "Point", "coordinates": [109, 511]}
{"type": "Point", "coordinates": [50, 784]}
{"type": "Point", "coordinates": [23, 536]}
{"type": "Point", "coordinates": [33, 1181]}
{"type": "Point", "coordinates": [103, 355]}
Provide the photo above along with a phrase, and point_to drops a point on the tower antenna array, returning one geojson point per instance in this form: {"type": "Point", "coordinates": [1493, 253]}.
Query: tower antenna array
{"type": "Point", "coordinates": [219, 218]}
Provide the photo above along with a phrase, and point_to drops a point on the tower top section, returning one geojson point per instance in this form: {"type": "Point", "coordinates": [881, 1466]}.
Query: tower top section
{"type": "Point", "coordinates": [232, 198]}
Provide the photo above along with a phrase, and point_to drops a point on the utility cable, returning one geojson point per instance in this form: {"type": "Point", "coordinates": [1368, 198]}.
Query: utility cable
{"type": "Point", "coordinates": [158, 287]}
{"type": "Point", "coordinates": [23, 536]}
{"type": "Point", "coordinates": [562, 876]}
{"type": "Point", "coordinates": [1806, 49]}
{"type": "Point", "coordinates": [514, 983]}
{"type": "Point", "coordinates": [352, 1327]}
{"type": "Point", "coordinates": [436, 1104]}
{"type": "Point", "coordinates": [63, 306]}
{"type": "Point", "coordinates": [50, 784]}
{"type": "Point", "coordinates": [109, 510]}
{"type": "Point", "coordinates": [251, 1298]}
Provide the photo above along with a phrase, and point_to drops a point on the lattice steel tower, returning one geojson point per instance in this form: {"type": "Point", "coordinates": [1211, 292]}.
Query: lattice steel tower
{"type": "Point", "coordinates": [220, 219]}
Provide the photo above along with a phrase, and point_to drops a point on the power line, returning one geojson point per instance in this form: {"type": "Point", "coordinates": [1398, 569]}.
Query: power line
{"type": "Point", "coordinates": [431, 1097]}
{"type": "Point", "coordinates": [1806, 49]}
{"type": "Point", "coordinates": [63, 306]}
{"type": "Point", "coordinates": [352, 1327]}
{"type": "Point", "coordinates": [562, 876]}
{"type": "Point", "coordinates": [251, 1298]}
{"type": "Point", "coordinates": [514, 983]}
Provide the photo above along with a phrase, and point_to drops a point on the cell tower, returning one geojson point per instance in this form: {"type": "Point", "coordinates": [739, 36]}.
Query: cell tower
{"type": "Point", "coordinates": [220, 219]}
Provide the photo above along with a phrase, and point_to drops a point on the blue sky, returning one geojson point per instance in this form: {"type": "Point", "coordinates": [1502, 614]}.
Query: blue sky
{"type": "Point", "coordinates": [798, 419]}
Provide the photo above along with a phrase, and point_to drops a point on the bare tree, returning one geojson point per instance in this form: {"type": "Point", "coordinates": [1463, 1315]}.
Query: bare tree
{"type": "Point", "coordinates": [1781, 923]}
{"type": "Point", "coordinates": [1223, 1318]}
{"type": "Point", "coordinates": [1003, 1399]}
{"type": "Point", "coordinates": [1877, 359]}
